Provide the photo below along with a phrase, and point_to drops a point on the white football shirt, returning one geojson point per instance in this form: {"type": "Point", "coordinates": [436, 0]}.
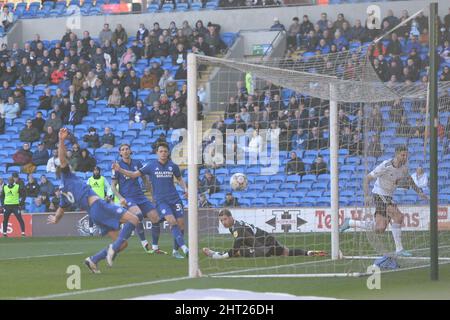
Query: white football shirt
{"type": "Point", "coordinates": [388, 177]}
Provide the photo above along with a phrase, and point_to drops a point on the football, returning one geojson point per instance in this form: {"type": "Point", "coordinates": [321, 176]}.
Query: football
{"type": "Point", "coordinates": [238, 181]}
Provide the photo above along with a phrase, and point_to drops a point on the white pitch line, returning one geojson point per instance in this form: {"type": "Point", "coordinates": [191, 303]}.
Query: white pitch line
{"type": "Point", "coordinates": [129, 285]}
{"type": "Point", "coordinates": [44, 256]}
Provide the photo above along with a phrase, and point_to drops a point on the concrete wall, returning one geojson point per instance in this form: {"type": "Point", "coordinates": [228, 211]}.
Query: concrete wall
{"type": "Point", "coordinates": [231, 20]}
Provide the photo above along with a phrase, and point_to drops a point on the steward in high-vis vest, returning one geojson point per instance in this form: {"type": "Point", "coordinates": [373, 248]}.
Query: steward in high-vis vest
{"type": "Point", "coordinates": [101, 187]}
{"type": "Point", "coordinates": [12, 198]}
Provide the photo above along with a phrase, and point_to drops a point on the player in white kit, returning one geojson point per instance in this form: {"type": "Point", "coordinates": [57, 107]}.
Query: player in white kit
{"type": "Point", "coordinates": [388, 175]}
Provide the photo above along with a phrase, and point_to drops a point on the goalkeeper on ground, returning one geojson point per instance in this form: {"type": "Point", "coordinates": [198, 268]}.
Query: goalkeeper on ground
{"type": "Point", "coordinates": [252, 242]}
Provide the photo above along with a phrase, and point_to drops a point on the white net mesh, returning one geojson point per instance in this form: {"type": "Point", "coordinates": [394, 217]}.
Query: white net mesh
{"type": "Point", "coordinates": [287, 109]}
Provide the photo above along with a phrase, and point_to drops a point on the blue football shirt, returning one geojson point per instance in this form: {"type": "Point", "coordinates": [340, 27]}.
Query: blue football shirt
{"type": "Point", "coordinates": [129, 188]}
{"type": "Point", "coordinates": [74, 190]}
{"type": "Point", "coordinates": [161, 176]}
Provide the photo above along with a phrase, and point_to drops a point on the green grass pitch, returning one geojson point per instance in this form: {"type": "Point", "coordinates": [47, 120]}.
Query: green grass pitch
{"type": "Point", "coordinates": [36, 268]}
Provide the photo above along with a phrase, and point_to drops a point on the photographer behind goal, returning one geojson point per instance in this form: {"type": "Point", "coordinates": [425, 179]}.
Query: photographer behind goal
{"type": "Point", "coordinates": [253, 242]}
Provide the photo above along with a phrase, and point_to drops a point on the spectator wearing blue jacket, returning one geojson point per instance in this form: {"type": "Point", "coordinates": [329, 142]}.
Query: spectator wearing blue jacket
{"type": "Point", "coordinates": [10, 110]}
{"type": "Point", "coordinates": [98, 91]}
{"type": "Point", "coordinates": [139, 114]}
{"type": "Point", "coordinates": [277, 26]}
{"type": "Point", "coordinates": [36, 206]}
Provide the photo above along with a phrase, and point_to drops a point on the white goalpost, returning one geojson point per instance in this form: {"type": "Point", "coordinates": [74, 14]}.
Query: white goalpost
{"type": "Point", "coordinates": [330, 109]}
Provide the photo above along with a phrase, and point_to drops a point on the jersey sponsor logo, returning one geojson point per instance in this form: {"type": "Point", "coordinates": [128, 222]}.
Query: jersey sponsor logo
{"type": "Point", "coordinates": [163, 211]}
{"type": "Point", "coordinates": [170, 168]}
{"type": "Point", "coordinates": [69, 196]}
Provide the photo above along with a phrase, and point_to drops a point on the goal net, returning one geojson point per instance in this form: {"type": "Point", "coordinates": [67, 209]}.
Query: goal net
{"type": "Point", "coordinates": [269, 119]}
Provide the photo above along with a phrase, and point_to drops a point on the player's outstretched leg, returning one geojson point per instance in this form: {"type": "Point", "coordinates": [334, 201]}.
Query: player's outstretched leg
{"type": "Point", "coordinates": [130, 222]}
{"type": "Point", "coordinates": [156, 231]}
{"type": "Point", "coordinates": [396, 228]}
{"type": "Point", "coordinates": [177, 236]}
{"type": "Point", "coordinates": [351, 223]}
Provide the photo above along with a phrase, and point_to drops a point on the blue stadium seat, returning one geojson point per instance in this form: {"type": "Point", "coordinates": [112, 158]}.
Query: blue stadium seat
{"type": "Point", "coordinates": [256, 187]}
{"type": "Point", "coordinates": [309, 177]}
{"type": "Point", "coordinates": [292, 202]}
{"type": "Point", "coordinates": [294, 178]}
{"type": "Point", "coordinates": [258, 202]}
{"type": "Point", "coordinates": [275, 202]}
{"type": "Point", "coordinates": [282, 195]}
{"type": "Point", "coordinates": [196, 6]}
{"type": "Point", "coordinates": [288, 187]}
{"type": "Point", "coordinates": [272, 187]}
{"type": "Point", "coordinates": [265, 195]}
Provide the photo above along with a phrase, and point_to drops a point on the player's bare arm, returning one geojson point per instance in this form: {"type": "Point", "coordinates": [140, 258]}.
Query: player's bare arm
{"type": "Point", "coordinates": [183, 185]}
{"type": "Point", "coordinates": [54, 219]}
{"type": "Point", "coordinates": [418, 190]}
{"type": "Point", "coordinates": [116, 193]}
{"type": "Point", "coordinates": [148, 186]}
{"type": "Point", "coordinates": [129, 174]}
{"type": "Point", "coordinates": [367, 181]}
{"type": "Point", "coordinates": [63, 134]}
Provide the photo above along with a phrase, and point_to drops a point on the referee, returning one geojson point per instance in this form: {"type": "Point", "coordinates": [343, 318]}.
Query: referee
{"type": "Point", "coordinates": [12, 196]}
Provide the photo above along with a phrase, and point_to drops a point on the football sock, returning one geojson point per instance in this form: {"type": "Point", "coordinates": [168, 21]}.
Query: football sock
{"type": "Point", "coordinates": [124, 234]}
{"type": "Point", "coordinates": [140, 232]}
{"type": "Point", "coordinates": [99, 256]}
{"type": "Point", "coordinates": [175, 244]}
{"type": "Point", "coordinates": [397, 234]}
{"type": "Point", "coordinates": [156, 230]}
{"type": "Point", "coordinates": [177, 235]}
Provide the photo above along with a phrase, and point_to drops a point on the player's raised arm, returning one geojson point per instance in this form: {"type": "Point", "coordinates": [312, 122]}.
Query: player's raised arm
{"type": "Point", "coordinates": [63, 134]}
{"type": "Point", "coordinates": [54, 219]}
{"type": "Point", "coordinates": [123, 201]}
{"type": "Point", "coordinates": [129, 174]}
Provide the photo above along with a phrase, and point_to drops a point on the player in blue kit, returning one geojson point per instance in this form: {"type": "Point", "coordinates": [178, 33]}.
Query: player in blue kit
{"type": "Point", "coordinates": [107, 217]}
{"type": "Point", "coordinates": [130, 194]}
{"type": "Point", "coordinates": [168, 203]}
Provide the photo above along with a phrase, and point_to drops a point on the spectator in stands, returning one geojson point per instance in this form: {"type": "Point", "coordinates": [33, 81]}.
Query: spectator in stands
{"type": "Point", "coordinates": [36, 206]}
{"type": "Point", "coordinates": [10, 110]}
{"type": "Point", "coordinates": [128, 99]}
{"type": "Point", "coordinates": [38, 122]}
{"type": "Point", "coordinates": [445, 52]}
{"type": "Point", "coordinates": [209, 183]}
{"type": "Point", "coordinates": [139, 114]}
{"type": "Point", "coordinates": [277, 26]}
{"type": "Point", "coordinates": [165, 79]}
{"type": "Point", "coordinates": [58, 75]}
{"type": "Point", "coordinates": [181, 73]}
{"type": "Point", "coordinates": [418, 131]}
{"type": "Point", "coordinates": [29, 133]}
{"type": "Point", "coordinates": [115, 98]}
{"type": "Point", "coordinates": [315, 140]}
{"type": "Point", "coordinates": [295, 165]}
{"type": "Point", "coordinates": [149, 81]}
{"type": "Point", "coordinates": [404, 129]}
{"type": "Point", "coordinates": [53, 162]}
{"type": "Point", "coordinates": [46, 187]}
{"type": "Point", "coordinates": [40, 156]}
{"type": "Point", "coordinates": [293, 31]}
{"type": "Point", "coordinates": [74, 117]}
{"type": "Point", "coordinates": [105, 35]}
{"type": "Point", "coordinates": [374, 149]}
{"type": "Point", "coordinates": [230, 200]}
{"type": "Point", "coordinates": [119, 33]}
{"type": "Point", "coordinates": [394, 47]}
{"type": "Point", "coordinates": [345, 138]}
{"type": "Point", "coordinates": [203, 201]}
{"type": "Point", "coordinates": [108, 139]}
{"type": "Point", "coordinates": [445, 75]}
{"type": "Point", "coordinates": [178, 119]}
{"type": "Point", "coordinates": [162, 119]}
{"type": "Point", "coordinates": [92, 138]}
{"type": "Point", "coordinates": [32, 188]}
{"type": "Point", "coordinates": [54, 121]}
{"type": "Point", "coordinates": [318, 166]}
{"type": "Point", "coordinates": [127, 57]}
{"type": "Point", "coordinates": [375, 121]}
{"type": "Point", "coordinates": [6, 17]}
{"type": "Point", "coordinates": [299, 139]}
{"type": "Point", "coordinates": [98, 91]}
{"type": "Point", "coordinates": [28, 77]}
{"type": "Point", "coordinates": [2, 123]}
{"type": "Point", "coordinates": [420, 178]}
{"type": "Point", "coordinates": [21, 157]}
{"type": "Point", "coordinates": [86, 162]}
{"type": "Point", "coordinates": [50, 138]}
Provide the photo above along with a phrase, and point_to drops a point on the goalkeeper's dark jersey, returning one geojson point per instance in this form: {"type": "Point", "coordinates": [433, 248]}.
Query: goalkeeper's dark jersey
{"type": "Point", "coordinates": [247, 235]}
